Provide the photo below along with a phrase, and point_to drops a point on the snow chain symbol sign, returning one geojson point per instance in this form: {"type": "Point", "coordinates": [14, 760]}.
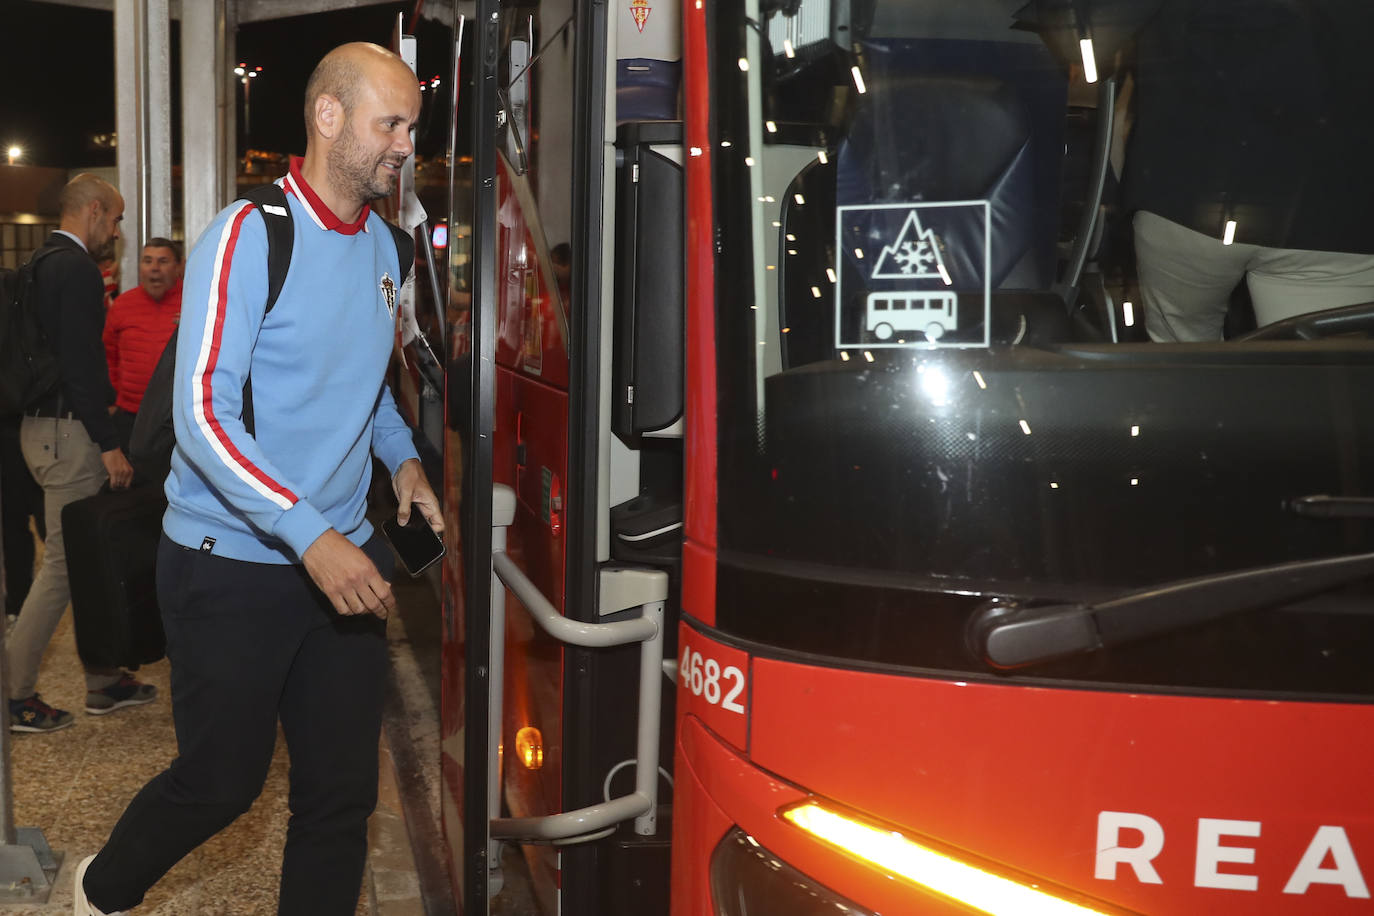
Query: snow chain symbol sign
{"type": "Point", "coordinates": [912, 275]}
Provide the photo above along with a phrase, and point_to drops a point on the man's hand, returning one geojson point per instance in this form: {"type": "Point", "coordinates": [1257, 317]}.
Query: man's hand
{"type": "Point", "coordinates": [347, 577]}
{"type": "Point", "coordinates": [118, 467]}
{"type": "Point", "coordinates": [410, 485]}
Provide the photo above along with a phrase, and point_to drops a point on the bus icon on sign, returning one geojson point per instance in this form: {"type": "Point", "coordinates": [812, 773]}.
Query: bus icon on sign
{"type": "Point", "coordinates": [930, 312]}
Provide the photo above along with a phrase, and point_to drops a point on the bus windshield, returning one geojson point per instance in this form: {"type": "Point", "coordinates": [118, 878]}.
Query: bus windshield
{"type": "Point", "coordinates": [1032, 301]}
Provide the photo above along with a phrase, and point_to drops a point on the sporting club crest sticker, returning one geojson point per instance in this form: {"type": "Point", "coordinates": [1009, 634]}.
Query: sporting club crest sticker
{"type": "Point", "coordinates": [640, 9]}
{"type": "Point", "coordinates": [388, 287]}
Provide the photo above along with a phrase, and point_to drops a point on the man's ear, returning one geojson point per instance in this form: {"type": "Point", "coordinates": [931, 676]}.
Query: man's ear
{"type": "Point", "coordinates": [329, 116]}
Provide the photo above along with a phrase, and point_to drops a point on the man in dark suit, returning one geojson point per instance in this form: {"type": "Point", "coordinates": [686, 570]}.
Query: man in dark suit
{"type": "Point", "coordinates": [69, 443]}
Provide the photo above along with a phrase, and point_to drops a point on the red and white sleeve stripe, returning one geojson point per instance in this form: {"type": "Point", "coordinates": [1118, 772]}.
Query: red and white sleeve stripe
{"type": "Point", "coordinates": [202, 397]}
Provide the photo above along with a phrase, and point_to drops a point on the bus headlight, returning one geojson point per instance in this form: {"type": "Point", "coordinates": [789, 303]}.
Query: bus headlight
{"type": "Point", "coordinates": [981, 886]}
{"type": "Point", "coordinates": [748, 880]}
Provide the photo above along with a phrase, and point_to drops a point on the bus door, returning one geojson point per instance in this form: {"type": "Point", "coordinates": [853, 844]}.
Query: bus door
{"type": "Point", "coordinates": [469, 386]}
{"type": "Point", "coordinates": [552, 667]}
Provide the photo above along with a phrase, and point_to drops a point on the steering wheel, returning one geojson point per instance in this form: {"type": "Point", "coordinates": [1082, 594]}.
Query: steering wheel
{"type": "Point", "coordinates": [1348, 319]}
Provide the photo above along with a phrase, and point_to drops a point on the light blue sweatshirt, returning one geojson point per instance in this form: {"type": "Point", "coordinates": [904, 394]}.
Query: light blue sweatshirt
{"type": "Point", "coordinates": [320, 403]}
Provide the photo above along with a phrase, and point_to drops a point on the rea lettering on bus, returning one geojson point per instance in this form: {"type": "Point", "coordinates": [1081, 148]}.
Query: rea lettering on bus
{"type": "Point", "coordinates": [705, 678]}
{"type": "Point", "coordinates": [1328, 844]}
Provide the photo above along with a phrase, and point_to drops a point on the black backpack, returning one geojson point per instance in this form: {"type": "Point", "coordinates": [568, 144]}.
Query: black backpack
{"type": "Point", "coordinates": [28, 366]}
{"type": "Point", "coordinates": [153, 436]}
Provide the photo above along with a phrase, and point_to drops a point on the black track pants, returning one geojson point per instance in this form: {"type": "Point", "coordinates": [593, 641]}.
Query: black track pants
{"type": "Point", "coordinates": [251, 643]}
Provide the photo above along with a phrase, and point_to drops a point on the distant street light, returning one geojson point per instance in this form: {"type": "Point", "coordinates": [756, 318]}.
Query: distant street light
{"type": "Point", "coordinates": [246, 75]}
{"type": "Point", "coordinates": [15, 152]}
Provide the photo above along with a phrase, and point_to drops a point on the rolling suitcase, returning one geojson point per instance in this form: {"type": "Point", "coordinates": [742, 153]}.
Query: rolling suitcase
{"type": "Point", "coordinates": [111, 541]}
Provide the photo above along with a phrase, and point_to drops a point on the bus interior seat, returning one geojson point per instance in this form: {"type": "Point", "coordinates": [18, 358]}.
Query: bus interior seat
{"type": "Point", "coordinates": [949, 120]}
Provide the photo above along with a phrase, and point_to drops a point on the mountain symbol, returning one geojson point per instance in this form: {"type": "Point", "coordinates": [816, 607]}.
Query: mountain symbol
{"type": "Point", "coordinates": [915, 255]}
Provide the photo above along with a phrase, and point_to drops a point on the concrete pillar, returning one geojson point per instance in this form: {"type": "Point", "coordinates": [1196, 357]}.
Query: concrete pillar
{"type": "Point", "coordinates": [143, 121]}
{"type": "Point", "coordinates": [207, 113]}
{"type": "Point", "coordinates": [130, 76]}
{"type": "Point", "coordinates": [228, 100]}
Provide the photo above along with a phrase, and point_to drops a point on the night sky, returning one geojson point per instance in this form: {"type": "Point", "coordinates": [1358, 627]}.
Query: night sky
{"type": "Point", "coordinates": [60, 77]}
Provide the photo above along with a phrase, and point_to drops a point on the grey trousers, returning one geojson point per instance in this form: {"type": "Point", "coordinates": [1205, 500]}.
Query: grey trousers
{"type": "Point", "coordinates": [1186, 280]}
{"type": "Point", "coordinates": [66, 464]}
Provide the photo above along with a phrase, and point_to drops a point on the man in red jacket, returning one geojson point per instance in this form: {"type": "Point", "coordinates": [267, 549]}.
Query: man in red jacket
{"type": "Point", "coordinates": [138, 326]}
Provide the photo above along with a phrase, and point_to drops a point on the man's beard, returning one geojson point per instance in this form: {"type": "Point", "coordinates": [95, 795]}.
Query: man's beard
{"type": "Point", "coordinates": [103, 251]}
{"type": "Point", "coordinates": [356, 172]}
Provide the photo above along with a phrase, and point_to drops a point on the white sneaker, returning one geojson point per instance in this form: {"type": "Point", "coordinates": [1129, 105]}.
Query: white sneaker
{"type": "Point", "coordinates": [80, 905]}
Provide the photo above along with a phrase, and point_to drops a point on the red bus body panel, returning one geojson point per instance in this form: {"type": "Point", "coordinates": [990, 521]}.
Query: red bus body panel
{"type": "Point", "coordinates": [699, 388]}
{"type": "Point", "coordinates": [1020, 775]}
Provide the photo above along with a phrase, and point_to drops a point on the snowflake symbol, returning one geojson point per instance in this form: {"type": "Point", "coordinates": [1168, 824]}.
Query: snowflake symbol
{"type": "Point", "coordinates": [910, 257]}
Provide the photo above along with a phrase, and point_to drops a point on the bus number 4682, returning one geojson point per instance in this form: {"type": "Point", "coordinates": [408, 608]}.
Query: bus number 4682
{"type": "Point", "coordinates": [705, 678]}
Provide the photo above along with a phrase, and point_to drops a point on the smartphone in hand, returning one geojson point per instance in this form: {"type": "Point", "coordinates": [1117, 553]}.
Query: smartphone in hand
{"type": "Point", "coordinates": [415, 543]}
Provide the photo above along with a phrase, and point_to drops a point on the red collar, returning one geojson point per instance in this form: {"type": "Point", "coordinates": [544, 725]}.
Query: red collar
{"type": "Point", "coordinates": [322, 215]}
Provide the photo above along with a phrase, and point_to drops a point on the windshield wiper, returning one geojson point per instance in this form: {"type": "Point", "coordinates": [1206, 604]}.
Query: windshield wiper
{"type": "Point", "coordinates": [1011, 635]}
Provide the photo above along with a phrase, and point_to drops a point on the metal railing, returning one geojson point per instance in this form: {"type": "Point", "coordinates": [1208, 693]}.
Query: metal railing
{"type": "Point", "coordinates": [592, 821]}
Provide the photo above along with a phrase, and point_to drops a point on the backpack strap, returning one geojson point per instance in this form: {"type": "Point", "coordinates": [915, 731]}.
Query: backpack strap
{"type": "Point", "coordinates": [405, 251]}
{"type": "Point", "coordinates": [270, 199]}
{"type": "Point", "coordinates": [27, 276]}
{"type": "Point", "coordinates": [39, 255]}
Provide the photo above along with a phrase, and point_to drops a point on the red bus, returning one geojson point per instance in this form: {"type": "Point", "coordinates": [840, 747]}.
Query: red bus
{"type": "Point", "coordinates": [1035, 615]}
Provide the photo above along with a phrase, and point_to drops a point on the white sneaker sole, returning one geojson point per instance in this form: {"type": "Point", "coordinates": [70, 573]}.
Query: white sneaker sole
{"type": "Point", "coordinates": [36, 730]}
{"type": "Point", "coordinates": [80, 905]}
{"type": "Point", "coordinates": [102, 710]}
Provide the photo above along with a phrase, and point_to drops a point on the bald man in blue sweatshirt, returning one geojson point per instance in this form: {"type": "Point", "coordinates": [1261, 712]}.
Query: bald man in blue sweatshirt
{"type": "Point", "coordinates": [273, 584]}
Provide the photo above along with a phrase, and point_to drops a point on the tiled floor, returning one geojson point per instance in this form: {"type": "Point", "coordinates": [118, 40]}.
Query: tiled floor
{"type": "Point", "coordinates": [75, 783]}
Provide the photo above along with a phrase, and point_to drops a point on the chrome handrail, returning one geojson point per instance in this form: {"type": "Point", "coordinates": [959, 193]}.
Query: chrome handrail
{"type": "Point", "coordinates": [590, 822]}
